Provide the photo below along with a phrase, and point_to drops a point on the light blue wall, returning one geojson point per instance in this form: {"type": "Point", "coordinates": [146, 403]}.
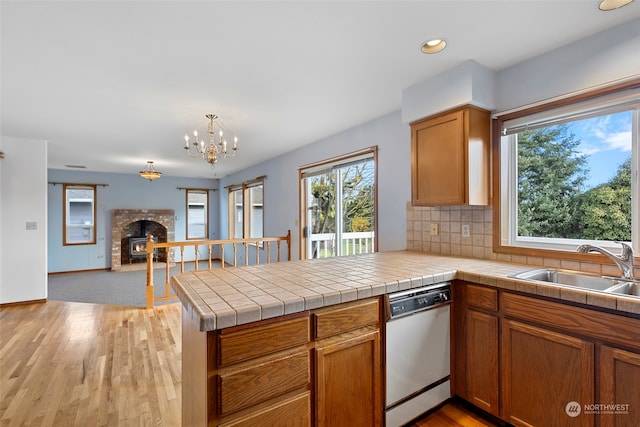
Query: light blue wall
{"type": "Point", "coordinates": [124, 191]}
{"type": "Point", "coordinates": [602, 58]}
{"type": "Point", "coordinates": [281, 198]}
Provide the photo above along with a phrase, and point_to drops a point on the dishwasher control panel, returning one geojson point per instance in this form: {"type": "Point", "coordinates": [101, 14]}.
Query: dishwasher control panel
{"type": "Point", "coordinates": [414, 300]}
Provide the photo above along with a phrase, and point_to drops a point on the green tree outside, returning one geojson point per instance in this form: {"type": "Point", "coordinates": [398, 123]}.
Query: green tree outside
{"type": "Point", "coordinates": [605, 211]}
{"type": "Point", "coordinates": [551, 198]}
{"type": "Point", "coordinates": [550, 176]}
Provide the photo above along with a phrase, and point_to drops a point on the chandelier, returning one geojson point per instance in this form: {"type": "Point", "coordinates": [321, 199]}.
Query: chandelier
{"type": "Point", "coordinates": [149, 172]}
{"type": "Point", "coordinates": [216, 148]}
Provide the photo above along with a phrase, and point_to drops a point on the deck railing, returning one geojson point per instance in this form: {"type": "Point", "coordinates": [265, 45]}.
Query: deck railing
{"type": "Point", "coordinates": [261, 245]}
{"type": "Point", "coordinates": [323, 245]}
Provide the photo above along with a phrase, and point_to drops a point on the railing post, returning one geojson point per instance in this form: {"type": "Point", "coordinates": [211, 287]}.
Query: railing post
{"type": "Point", "coordinates": [150, 249]}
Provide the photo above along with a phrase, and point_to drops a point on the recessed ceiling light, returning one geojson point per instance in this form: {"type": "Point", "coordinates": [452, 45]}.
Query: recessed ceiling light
{"type": "Point", "coordinates": [613, 4]}
{"type": "Point", "coordinates": [434, 46]}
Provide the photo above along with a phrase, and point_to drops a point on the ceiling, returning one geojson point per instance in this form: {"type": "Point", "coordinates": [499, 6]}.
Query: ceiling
{"type": "Point", "coordinates": [112, 84]}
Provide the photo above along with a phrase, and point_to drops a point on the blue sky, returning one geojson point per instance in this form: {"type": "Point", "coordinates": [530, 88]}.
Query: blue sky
{"type": "Point", "coordinates": [607, 142]}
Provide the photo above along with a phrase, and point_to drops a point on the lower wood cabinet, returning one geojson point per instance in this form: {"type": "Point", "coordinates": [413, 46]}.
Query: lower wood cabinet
{"type": "Point", "coordinates": [348, 372]}
{"type": "Point", "coordinates": [320, 367]}
{"type": "Point", "coordinates": [542, 373]}
{"type": "Point", "coordinates": [348, 380]}
{"type": "Point", "coordinates": [482, 361]}
{"type": "Point", "coordinates": [619, 379]}
{"type": "Point", "coordinates": [290, 412]}
{"type": "Point", "coordinates": [538, 362]}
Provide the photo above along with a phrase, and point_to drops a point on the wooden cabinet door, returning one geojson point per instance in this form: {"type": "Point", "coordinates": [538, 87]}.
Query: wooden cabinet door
{"type": "Point", "coordinates": [438, 161]}
{"type": "Point", "coordinates": [619, 375]}
{"type": "Point", "coordinates": [546, 376]}
{"type": "Point", "coordinates": [482, 361]}
{"type": "Point", "coordinates": [349, 381]}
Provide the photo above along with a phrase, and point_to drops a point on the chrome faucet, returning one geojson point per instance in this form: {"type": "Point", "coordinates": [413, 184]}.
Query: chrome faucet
{"type": "Point", "coordinates": [624, 261]}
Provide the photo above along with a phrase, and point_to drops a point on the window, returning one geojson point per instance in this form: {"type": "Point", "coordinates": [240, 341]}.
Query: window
{"type": "Point", "coordinates": [197, 214]}
{"type": "Point", "coordinates": [338, 214]}
{"type": "Point", "coordinates": [79, 214]}
{"type": "Point", "coordinates": [246, 210]}
{"type": "Point", "coordinates": [569, 175]}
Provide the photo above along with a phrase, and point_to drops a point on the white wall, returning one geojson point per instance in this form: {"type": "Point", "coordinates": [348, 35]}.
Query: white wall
{"type": "Point", "coordinates": [281, 197]}
{"type": "Point", "coordinates": [23, 181]}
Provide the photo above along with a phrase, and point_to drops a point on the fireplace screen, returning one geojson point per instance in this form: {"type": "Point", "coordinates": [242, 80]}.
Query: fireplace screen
{"type": "Point", "coordinates": [138, 247]}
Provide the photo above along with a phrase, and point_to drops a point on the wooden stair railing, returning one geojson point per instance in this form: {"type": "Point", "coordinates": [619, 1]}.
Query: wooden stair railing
{"type": "Point", "coordinates": [260, 243]}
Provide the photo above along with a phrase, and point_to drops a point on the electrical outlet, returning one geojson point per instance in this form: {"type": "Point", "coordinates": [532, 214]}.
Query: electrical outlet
{"type": "Point", "coordinates": [465, 230]}
{"type": "Point", "coordinates": [31, 225]}
{"type": "Point", "coordinates": [435, 228]}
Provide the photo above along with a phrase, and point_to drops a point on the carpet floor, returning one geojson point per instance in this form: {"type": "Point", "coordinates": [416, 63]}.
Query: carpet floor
{"type": "Point", "coordinates": [126, 288]}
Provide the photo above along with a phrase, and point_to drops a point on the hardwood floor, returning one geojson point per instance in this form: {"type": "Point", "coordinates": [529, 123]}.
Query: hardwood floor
{"type": "Point", "coordinates": [454, 414]}
{"type": "Point", "coordinates": [76, 364]}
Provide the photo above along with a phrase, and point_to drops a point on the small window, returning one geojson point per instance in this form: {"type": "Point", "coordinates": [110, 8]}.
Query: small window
{"type": "Point", "coordinates": [197, 214]}
{"type": "Point", "coordinates": [79, 214]}
{"type": "Point", "coordinates": [246, 210]}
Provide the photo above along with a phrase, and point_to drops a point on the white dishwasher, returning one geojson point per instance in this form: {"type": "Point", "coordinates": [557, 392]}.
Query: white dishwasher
{"type": "Point", "coordinates": [417, 352]}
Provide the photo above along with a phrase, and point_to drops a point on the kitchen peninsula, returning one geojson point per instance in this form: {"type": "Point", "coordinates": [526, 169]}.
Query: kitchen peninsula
{"type": "Point", "coordinates": [267, 340]}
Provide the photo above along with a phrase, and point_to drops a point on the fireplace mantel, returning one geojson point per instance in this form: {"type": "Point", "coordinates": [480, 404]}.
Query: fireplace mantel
{"type": "Point", "coordinates": [120, 218]}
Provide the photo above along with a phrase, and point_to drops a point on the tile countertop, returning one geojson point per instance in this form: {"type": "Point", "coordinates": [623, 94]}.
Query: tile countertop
{"type": "Point", "coordinates": [235, 296]}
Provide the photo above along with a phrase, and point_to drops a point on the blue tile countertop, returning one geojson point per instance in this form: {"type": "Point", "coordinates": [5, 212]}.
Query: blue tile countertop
{"type": "Point", "coordinates": [234, 296]}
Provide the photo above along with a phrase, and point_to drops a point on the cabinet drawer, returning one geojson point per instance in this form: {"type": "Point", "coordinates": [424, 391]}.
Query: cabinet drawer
{"type": "Point", "coordinates": [236, 345]}
{"type": "Point", "coordinates": [480, 297]}
{"type": "Point", "coordinates": [242, 389]}
{"type": "Point", "coordinates": [331, 321]}
{"type": "Point", "coordinates": [296, 411]}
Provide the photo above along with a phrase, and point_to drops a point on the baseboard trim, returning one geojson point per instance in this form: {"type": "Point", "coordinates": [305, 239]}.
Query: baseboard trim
{"type": "Point", "coordinates": [33, 301]}
{"type": "Point", "coordinates": [79, 271]}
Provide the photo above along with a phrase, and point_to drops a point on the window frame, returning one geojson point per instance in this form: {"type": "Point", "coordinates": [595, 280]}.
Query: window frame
{"type": "Point", "coordinates": [245, 190]}
{"type": "Point", "coordinates": [66, 210]}
{"type": "Point", "coordinates": [501, 225]}
{"type": "Point", "coordinates": [206, 215]}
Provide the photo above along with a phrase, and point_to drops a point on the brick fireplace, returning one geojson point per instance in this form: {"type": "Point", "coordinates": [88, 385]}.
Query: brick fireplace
{"type": "Point", "coordinates": [127, 224]}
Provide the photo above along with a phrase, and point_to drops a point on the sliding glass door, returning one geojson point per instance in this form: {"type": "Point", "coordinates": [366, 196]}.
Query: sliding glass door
{"type": "Point", "coordinates": [339, 207]}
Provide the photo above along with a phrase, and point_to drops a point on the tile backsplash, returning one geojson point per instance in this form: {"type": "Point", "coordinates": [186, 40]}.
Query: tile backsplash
{"type": "Point", "coordinates": [452, 223]}
{"type": "Point", "coordinates": [451, 238]}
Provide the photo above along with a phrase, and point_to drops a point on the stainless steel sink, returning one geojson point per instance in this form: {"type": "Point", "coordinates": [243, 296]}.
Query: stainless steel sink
{"type": "Point", "coordinates": [610, 285]}
{"type": "Point", "coordinates": [626, 288]}
{"type": "Point", "coordinates": [568, 278]}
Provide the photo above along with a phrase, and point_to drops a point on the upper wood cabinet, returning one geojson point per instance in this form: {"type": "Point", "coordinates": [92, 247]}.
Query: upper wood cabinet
{"type": "Point", "coordinates": [450, 158]}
